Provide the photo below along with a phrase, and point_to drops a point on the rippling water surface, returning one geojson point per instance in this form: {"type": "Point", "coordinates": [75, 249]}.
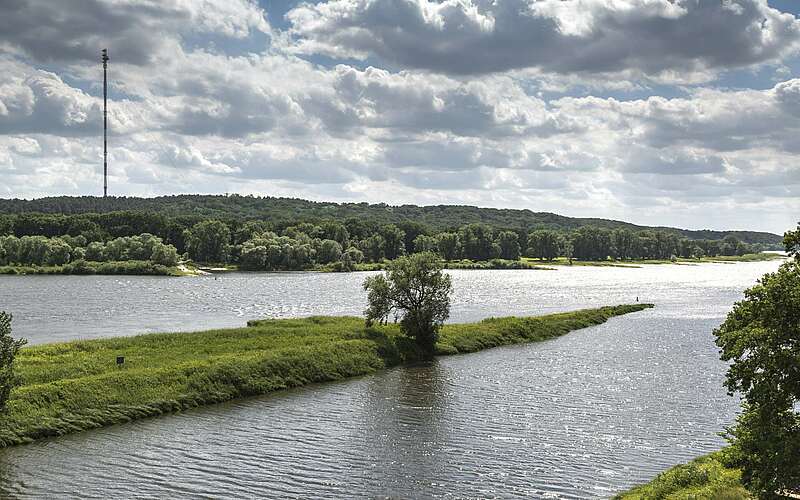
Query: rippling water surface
{"type": "Point", "coordinates": [581, 416]}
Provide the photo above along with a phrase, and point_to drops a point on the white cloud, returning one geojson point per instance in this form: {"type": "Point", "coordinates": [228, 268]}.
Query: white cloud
{"type": "Point", "coordinates": [269, 122]}
{"type": "Point", "coordinates": [658, 38]}
{"type": "Point", "coordinates": [135, 32]}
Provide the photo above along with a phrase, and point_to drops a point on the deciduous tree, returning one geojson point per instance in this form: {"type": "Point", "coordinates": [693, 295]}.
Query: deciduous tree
{"type": "Point", "coordinates": [417, 290]}
{"type": "Point", "coordinates": [761, 340]}
{"type": "Point", "coordinates": [8, 351]}
{"type": "Point", "coordinates": [208, 241]}
{"type": "Point", "coordinates": [509, 245]}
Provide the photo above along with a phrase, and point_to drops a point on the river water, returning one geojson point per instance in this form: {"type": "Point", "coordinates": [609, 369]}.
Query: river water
{"type": "Point", "coordinates": [582, 416]}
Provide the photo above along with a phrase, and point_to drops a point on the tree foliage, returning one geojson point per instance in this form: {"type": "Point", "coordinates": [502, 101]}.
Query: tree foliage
{"type": "Point", "coordinates": [176, 213]}
{"type": "Point", "coordinates": [477, 242]}
{"type": "Point", "coordinates": [415, 290]}
{"type": "Point", "coordinates": [449, 245]}
{"type": "Point", "coordinates": [791, 241]}
{"type": "Point", "coordinates": [761, 340]}
{"type": "Point", "coordinates": [59, 251]}
{"type": "Point", "coordinates": [545, 244]}
{"type": "Point", "coordinates": [508, 241]}
{"type": "Point", "coordinates": [8, 351]}
{"type": "Point", "coordinates": [208, 241]}
{"type": "Point", "coordinates": [222, 229]}
{"type": "Point", "coordinates": [425, 243]}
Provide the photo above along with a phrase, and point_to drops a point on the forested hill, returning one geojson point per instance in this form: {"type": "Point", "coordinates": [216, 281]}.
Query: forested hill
{"type": "Point", "coordinates": [439, 217]}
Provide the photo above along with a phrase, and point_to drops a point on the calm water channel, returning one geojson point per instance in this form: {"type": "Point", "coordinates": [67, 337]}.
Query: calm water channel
{"type": "Point", "coordinates": [582, 416]}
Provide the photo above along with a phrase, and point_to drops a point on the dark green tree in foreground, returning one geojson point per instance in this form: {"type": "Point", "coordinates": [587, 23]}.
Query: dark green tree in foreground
{"type": "Point", "coordinates": [761, 339]}
{"type": "Point", "coordinates": [8, 351]}
{"type": "Point", "coordinates": [791, 240]}
{"type": "Point", "coordinates": [415, 289]}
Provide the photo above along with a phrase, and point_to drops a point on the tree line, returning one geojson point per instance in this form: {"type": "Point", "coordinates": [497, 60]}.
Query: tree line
{"type": "Point", "coordinates": [284, 212]}
{"type": "Point", "coordinates": [589, 243]}
{"type": "Point", "coordinates": [63, 250]}
{"type": "Point", "coordinates": [303, 245]}
{"type": "Point", "coordinates": [48, 239]}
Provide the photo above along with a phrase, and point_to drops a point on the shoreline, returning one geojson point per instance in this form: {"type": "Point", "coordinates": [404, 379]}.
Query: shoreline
{"type": "Point", "coordinates": [147, 268]}
{"type": "Point", "coordinates": [75, 386]}
{"type": "Point", "coordinates": [109, 268]}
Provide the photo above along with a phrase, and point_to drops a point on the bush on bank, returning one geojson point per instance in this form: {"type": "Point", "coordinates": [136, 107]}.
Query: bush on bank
{"type": "Point", "coordinates": [75, 386]}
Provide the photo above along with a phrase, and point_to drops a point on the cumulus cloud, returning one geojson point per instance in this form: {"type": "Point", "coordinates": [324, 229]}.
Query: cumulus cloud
{"type": "Point", "coordinates": [412, 102]}
{"type": "Point", "coordinates": [433, 117]}
{"type": "Point", "coordinates": [653, 37]}
{"type": "Point", "coordinates": [719, 120]}
{"type": "Point", "coordinates": [39, 101]}
{"type": "Point", "coordinates": [788, 97]}
{"type": "Point", "coordinates": [135, 32]}
{"type": "Point", "coordinates": [673, 163]}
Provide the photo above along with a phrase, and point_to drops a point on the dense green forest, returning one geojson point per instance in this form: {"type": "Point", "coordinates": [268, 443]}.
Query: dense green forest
{"type": "Point", "coordinates": [283, 212]}
{"type": "Point", "coordinates": [297, 243]}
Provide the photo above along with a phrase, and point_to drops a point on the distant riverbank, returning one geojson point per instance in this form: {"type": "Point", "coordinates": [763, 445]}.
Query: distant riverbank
{"type": "Point", "coordinates": [76, 386]}
{"type": "Point", "coordinates": [127, 267]}
{"type": "Point", "coordinates": [148, 268]}
{"type": "Point", "coordinates": [750, 257]}
{"type": "Point", "coordinates": [537, 264]}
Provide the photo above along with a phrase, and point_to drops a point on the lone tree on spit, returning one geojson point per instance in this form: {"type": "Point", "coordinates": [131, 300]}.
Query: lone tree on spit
{"type": "Point", "coordinates": [8, 350]}
{"type": "Point", "coordinates": [415, 290]}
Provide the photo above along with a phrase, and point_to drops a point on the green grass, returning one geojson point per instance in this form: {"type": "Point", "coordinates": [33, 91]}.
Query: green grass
{"type": "Point", "coordinates": [563, 261]}
{"type": "Point", "coordinates": [74, 386]}
{"type": "Point", "coordinates": [460, 264]}
{"type": "Point", "coordinates": [750, 257]}
{"type": "Point", "coordinates": [706, 477]}
{"type": "Point", "coordinates": [492, 264]}
{"type": "Point", "coordinates": [134, 267]}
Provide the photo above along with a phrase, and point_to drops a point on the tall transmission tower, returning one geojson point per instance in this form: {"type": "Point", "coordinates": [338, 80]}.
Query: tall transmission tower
{"type": "Point", "coordinates": [105, 124]}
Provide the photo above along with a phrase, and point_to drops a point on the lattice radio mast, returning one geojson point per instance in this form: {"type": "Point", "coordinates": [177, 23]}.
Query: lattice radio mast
{"type": "Point", "coordinates": [105, 124]}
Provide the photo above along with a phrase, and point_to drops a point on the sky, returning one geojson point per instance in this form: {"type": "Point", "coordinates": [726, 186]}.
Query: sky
{"type": "Point", "coordinates": [660, 112]}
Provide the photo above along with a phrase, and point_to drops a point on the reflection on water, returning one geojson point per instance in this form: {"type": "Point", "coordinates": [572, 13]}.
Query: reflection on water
{"type": "Point", "coordinates": [581, 416]}
{"type": "Point", "coordinates": [405, 417]}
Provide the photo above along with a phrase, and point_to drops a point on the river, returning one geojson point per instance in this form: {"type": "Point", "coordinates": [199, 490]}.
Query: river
{"type": "Point", "coordinates": [581, 416]}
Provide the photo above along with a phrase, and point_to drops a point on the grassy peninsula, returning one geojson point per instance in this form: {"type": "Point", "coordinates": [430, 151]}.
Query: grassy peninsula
{"type": "Point", "coordinates": [74, 386]}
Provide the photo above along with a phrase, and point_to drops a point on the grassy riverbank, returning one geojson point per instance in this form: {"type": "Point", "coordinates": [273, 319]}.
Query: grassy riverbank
{"type": "Point", "coordinates": [536, 264]}
{"type": "Point", "coordinates": [704, 477]}
{"type": "Point", "coordinates": [138, 267]}
{"type": "Point", "coordinates": [750, 257]}
{"type": "Point", "coordinates": [492, 264]}
{"type": "Point", "coordinates": [75, 386]}
{"type": "Point", "coordinates": [128, 267]}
